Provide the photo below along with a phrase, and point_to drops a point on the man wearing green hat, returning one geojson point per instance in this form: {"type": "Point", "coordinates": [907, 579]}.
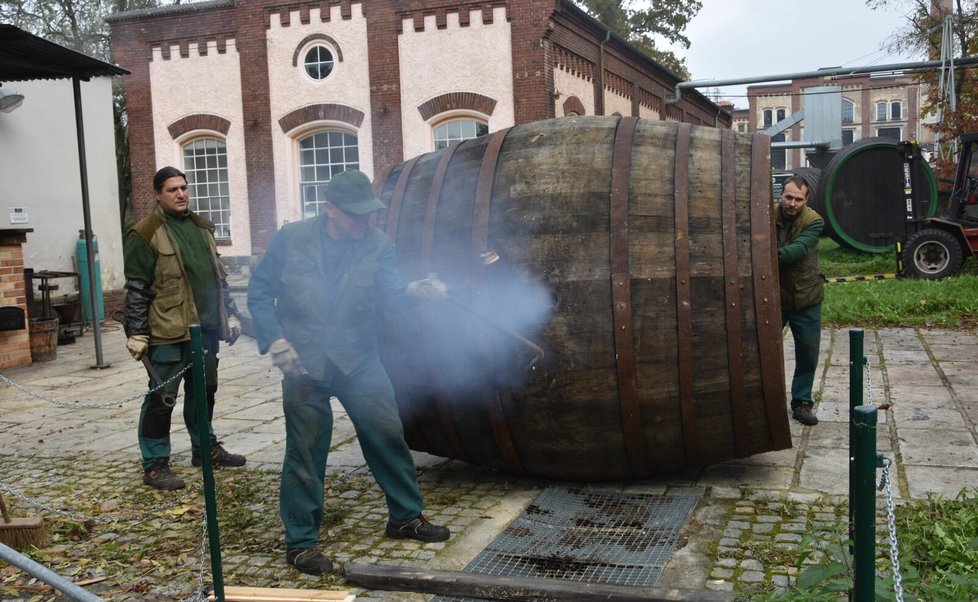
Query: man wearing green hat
{"type": "Point", "coordinates": [312, 300]}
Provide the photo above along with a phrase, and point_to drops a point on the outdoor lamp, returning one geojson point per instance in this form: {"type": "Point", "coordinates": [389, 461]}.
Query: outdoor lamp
{"type": "Point", "coordinates": [10, 99]}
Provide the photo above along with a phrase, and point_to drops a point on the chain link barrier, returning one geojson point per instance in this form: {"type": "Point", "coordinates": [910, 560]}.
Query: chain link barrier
{"type": "Point", "coordinates": [99, 406]}
{"type": "Point", "coordinates": [200, 595]}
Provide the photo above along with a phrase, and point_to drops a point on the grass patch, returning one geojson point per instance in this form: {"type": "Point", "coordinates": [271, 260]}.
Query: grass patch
{"type": "Point", "coordinates": [938, 544]}
{"type": "Point", "coordinates": [907, 302]}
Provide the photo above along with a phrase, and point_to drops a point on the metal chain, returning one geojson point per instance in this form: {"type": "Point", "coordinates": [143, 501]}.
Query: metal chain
{"type": "Point", "coordinates": [891, 525]}
{"type": "Point", "coordinates": [200, 595]}
{"type": "Point", "coordinates": [97, 406]}
{"type": "Point", "coordinates": [136, 517]}
{"type": "Point", "coordinates": [869, 383]}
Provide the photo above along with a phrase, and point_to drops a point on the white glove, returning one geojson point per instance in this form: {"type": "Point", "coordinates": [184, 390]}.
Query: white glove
{"type": "Point", "coordinates": [429, 289]}
{"type": "Point", "coordinates": [284, 357]}
{"type": "Point", "coordinates": [234, 330]}
{"type": "Point", "coordinates": [138, 345]}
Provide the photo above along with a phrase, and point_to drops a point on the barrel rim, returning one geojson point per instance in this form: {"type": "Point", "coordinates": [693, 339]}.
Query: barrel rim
{"type": "Point", "coordinates": [855, 149]}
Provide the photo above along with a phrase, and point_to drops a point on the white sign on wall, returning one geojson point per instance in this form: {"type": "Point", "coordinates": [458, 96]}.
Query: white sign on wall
{"type": "Point", "coordinates": [18, 215]}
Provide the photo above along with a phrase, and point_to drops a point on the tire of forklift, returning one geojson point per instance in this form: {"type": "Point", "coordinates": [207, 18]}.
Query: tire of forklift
{"type": "Point", "coordinates": [933, 254]}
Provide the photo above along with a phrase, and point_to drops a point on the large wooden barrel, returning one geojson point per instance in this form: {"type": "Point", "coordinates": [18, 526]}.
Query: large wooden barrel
{"type": "Point", "coordinates": [639, 257]}
{"type": "Point", "coordinates": [862, 194]}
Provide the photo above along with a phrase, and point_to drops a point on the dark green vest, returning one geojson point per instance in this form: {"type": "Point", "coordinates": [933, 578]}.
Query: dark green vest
{"type": "Point", "coordinates": [173, 309]}
{"type": "Point", "coordinates": [344, 333]}
{"type": "Point", "coordinates": [802, 285]}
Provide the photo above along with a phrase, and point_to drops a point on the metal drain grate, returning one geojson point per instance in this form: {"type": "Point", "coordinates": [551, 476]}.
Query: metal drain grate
{"type": "Point", "coordinates": [587, 536]}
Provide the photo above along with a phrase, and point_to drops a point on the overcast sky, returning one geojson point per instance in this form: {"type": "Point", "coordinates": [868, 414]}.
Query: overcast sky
{"type": "Point", "coordinates": [748, 38]}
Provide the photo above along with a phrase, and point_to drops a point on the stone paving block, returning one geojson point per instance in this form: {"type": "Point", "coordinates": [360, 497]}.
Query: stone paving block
{"type": "Point", "coordinates": [938, 447]}
{"type": "Point", "coordinates": [729, 474]}
{"type": "Point", "coordinates": [944, 481]}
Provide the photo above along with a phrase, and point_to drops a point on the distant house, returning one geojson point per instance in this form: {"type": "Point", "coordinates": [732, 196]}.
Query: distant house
{"type": "Point", "coordinates": [51, 97]}
{"type": "Point", "coordinates": [887, 106]}
{"type": "Point", "coordinates": [262, 101]}
{"type": "Point", "coordinates": [40, 179]}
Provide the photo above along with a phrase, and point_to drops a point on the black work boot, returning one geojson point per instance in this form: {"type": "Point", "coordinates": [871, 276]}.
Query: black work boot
{"type": "Point", "coordinates": [220, 456]}
{"type": "Point", "coordinates": [309, 561]}
{"type": "Point", "coordinates": [159, 476]}
{"type": "Point", "coordinates": [803, 414]}
{"type": "Point", "coordinates": [419, 529]}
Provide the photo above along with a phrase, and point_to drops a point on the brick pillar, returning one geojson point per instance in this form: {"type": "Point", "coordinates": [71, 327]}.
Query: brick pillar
{"type": "Point", "coordinates": [15, 345]}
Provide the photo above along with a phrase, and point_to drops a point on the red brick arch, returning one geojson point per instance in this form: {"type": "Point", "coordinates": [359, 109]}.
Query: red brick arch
{"type": "Point", "coordinates": [314, 37]}
{"type": "Point", "coordinates": [201, 121]}
{"type": "Point", "coordinates": [321, 112]}
{"type": "Point", "coordinates": [454, 101]}
{"type": "Point", "coordinates": [574, 106]}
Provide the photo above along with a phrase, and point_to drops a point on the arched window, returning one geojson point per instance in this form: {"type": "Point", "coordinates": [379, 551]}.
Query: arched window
{"type": "Point", "coordinates": [454, 131]}
{"type": "Point", "coordinates": [780, 115]}
{"type": "Point", "coordinates": [768, 118]}
{"type": "Point", "coordinates": [322, 155]}
{"type": "Point", "coordinates": [205, 161]}
{"type": "Point", "coordinates": [848, 110]}
{"type": "Point", "coordinates": [779, 157]}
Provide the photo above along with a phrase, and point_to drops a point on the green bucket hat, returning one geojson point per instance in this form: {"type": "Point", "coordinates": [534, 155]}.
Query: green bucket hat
{"type": "Point", "coordinates": [351, 191]}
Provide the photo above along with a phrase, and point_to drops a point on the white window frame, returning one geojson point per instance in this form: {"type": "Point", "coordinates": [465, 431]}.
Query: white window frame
{"type": "Point", "coordinates": [208, 180]}
{"type": "Point", "coordinates": [452, 117]}
{"type": "Point", "coordinates": [852, 111]}
{"type": "Point", "coordinates": [891, 127]}
{"type": "Point", "coordinates": [314, 182]}
{"type": "Point", "coordinates": [896, 110]}
{"type": "Point", "coordinates": [882, 110]}
{"type": "Point", "coordinates": [304, 64]}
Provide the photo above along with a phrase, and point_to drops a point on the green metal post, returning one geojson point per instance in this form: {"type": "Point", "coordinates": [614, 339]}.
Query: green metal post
{"type": "Point", "coordinates": [210, 491]}
{"type": "Point", "coordinates": [856, 362]}
{"type": "Point", "coordinates": [864, 504]}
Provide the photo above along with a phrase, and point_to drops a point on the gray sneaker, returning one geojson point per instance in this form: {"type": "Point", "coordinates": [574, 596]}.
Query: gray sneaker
{"type": "Point", "coordinates": [159, 476]}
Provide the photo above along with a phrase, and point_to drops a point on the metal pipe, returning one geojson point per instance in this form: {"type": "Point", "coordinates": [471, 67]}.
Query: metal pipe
{"type": "Point", "coordinates": [207, 468]}
{"type": "Point", "coordinates": [864, 515]}
{"type": "Point", "coordinates": [601, 70]}
{"type": "Point", "coordinates": [39, 571]}
{"type": "Point", "coordinates": [536, 349]}
{"type": "Point", "coordinates": [918, 66]}
{"type": "Point", "coordinates": [87, 215]}
{"type": "Point", "coordinates": [856, 362]}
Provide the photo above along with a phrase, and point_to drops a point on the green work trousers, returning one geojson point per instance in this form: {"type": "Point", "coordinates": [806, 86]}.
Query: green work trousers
{"type": "Point", "coordinates": [806, 329]}
{"type": "Point", "coordinates": [368, 397]}
{"type": "Point", "coordinates": [155, 415]}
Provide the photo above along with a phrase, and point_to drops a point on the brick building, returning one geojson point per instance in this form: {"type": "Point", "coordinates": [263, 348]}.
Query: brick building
{"type": "Point", "coordinates": [872, 105]}
{"type": "Point", "coordinates": [262, 101]}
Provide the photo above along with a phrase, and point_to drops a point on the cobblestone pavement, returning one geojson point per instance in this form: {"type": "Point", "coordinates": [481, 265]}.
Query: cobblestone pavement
{"type": "Point", "coordinates": [81, 464]}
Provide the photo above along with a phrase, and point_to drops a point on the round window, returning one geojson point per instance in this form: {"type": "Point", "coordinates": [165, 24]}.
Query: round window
{"type": "Point", "coordinates": [318, 62]}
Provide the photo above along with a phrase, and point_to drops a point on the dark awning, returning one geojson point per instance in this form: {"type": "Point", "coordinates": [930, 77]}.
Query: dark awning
{"type": "Point", "coordinates": [24, 56]}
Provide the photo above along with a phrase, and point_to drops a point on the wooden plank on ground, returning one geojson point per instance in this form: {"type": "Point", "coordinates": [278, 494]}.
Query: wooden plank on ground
{"type": "Point", "coordinates": [273, 594]}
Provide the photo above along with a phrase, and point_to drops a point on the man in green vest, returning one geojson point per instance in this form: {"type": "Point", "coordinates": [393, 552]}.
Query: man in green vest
{"type": "Point", "coordinates": [312, 300]}
{"type": "Point", "coordinates": [802, 289]}
{"type": "Point", "coordinates": [174, 278]}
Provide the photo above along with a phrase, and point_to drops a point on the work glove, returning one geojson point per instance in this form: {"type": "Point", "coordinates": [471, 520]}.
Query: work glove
{"type": "Point", "coordinates": [138, 345]}
{"type": "Point", "coordinates": [429, 289]}
{"type": "Point", "coordinates": [285, 358]}
{"type": "Point", "coordinates": [234, 330]}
